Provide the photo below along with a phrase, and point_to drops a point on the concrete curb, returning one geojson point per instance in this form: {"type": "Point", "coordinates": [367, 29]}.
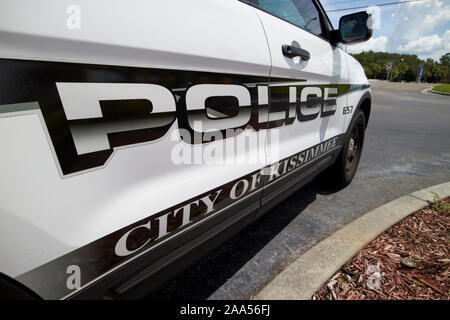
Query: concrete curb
{"type": "Point", "coordinates": [426, 91]}
{"type": "Point", "coordinates": [303, 277]}
{"type": "Point", "coordinates": [439, 92]}
{"type": "Point", "coordinates": [430, 90]}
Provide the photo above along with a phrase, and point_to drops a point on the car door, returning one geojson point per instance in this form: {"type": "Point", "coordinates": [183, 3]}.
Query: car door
{"type": "Point", "coordinates": [101, 105]}
{"type": "Point", "coordinates": [308, 86]}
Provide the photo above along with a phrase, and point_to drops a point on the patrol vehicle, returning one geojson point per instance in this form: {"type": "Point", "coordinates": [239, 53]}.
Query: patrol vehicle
{"type": "Point", "coordinates": [136, 136]}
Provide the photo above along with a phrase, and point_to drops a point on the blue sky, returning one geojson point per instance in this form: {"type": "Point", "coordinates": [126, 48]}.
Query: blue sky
{"type": "Point", "coordinates": [421, 28]}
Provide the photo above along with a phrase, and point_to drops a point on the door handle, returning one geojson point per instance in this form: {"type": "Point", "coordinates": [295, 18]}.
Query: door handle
{"type": "Point", "coordinates": [294, 51]}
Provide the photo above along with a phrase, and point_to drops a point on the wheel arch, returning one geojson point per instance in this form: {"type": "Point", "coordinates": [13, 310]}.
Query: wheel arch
{"type": "Point", "coordinates": [11, 289]}
{"type": "Point", "coordinates": [365, 104]}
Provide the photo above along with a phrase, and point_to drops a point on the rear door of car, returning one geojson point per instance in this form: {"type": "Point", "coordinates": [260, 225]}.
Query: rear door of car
{"type": "Point", "coordinates": [307, 94]}
{"type": "Point", "coordinates": [110, 122]}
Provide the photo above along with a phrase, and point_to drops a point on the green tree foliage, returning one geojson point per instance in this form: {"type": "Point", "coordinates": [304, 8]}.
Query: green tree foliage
{"type": "Point", "coordinates": [404, 66]}
{"type": "Point", "coordinates": [445, 59]}
{"type": "Point", "coordinates": [445, 63]}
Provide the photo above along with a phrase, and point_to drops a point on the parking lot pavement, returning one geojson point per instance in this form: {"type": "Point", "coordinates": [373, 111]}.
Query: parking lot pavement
{"type": "Point", "coordinates": [406, 149]}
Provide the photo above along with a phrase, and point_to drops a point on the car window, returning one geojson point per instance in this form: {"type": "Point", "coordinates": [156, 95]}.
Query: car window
{"type": "Point", "coordinates": [302, 13]}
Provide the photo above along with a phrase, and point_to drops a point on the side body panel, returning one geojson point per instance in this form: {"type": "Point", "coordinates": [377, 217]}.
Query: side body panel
{"type": "Point", "coordinates": [117, 156]}
{"type": "Point", "coordinates": [89, 130]}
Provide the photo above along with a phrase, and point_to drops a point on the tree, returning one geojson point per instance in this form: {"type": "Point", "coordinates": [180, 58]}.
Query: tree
{"type": "Point", "coordinates": [434, 71]}
{"type": "Point", "coordinates": [445, 59]}
{"type": "Point", "coordinates": [445, 63]}
{"type": "Point", "coordinates": [401, 69]}
{"type": "Point", "coordinates": [405, 66]}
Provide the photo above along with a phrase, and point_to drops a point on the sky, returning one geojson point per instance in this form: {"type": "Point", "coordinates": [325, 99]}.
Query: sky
{"type": "Point", "coordinates": [421, 28]}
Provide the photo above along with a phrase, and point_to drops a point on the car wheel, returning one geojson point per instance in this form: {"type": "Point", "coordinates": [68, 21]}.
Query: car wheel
{"type": "Point", "coordinates": [344, 169]}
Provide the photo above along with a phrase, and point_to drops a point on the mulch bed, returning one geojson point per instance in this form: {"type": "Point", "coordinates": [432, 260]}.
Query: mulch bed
{"type": "Point", "coordinates": [409, 261]}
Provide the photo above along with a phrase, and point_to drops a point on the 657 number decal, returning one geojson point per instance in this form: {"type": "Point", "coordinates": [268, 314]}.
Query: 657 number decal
{"type": "Point", "coordinates": [348, 110]}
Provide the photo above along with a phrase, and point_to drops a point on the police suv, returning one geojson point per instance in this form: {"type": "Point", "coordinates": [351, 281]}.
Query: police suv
{"type": "Point", "coordinates": [135, 137]}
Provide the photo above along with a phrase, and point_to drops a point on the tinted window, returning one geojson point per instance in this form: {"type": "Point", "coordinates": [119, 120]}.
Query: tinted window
{"type": "Point", "coordinates": [302, 13]}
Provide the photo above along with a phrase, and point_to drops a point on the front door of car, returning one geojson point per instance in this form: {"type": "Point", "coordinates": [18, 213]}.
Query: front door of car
{"type": "Point", "coordinates": [307, 90]}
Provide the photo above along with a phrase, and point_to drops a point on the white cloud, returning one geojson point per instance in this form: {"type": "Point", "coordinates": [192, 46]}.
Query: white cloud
{"type": "Point", "coordinates": [427, 44]}
{"type": "Point", "coordinates": [374, 44]}
{"type": "Point", "coordinates": [413, 23]}
{"type": "Point", "coordinates": [416, 19]}
{"type": "Point", "coordinates": [414, 28]}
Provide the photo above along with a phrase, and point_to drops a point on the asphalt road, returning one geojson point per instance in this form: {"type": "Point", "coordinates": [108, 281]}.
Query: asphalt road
{"type": "Point", "coordinates": [407, 148]}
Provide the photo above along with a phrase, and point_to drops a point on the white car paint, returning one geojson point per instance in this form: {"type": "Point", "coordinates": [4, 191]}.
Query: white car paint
{"type": "Point", "coordinates": [45, 214]}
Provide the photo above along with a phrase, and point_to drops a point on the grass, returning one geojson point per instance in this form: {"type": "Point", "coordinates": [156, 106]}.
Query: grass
{"type": "Point", "coordinates": [439, 205]}
{"type": "Point", "coordinates": [442, 88]}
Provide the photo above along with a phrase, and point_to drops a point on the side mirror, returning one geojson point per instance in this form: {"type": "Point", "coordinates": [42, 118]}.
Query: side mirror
{"type": "Point", "coordinates": [354, 28]}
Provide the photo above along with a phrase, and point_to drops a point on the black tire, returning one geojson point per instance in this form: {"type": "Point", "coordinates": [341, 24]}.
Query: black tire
{"type": "Point", "coordinates": [344, 169]}
{"type": "Point", "coordinates": [11, 289]}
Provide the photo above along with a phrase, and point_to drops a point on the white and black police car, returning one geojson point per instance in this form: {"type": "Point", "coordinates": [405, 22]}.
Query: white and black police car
{"type": "Point", "coordinates": [136, 136]}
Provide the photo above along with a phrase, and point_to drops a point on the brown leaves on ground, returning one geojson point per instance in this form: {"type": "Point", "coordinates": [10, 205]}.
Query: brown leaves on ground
{"type": "Point", "coordinates": [379, 271]}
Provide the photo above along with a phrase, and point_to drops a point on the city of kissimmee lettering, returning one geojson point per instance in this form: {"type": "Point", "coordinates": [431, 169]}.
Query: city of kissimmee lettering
{"type": "Point", "coordinates": [100, 256]}
{"type": "Point", "coordinates": [162, 225]}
